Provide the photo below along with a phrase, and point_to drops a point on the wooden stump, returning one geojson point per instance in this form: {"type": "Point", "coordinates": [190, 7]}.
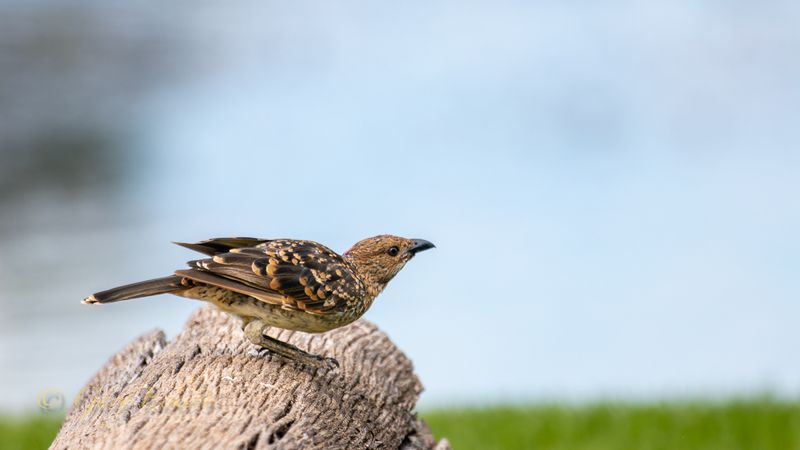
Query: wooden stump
{"type": "Point", "coordinates": [210, 388]}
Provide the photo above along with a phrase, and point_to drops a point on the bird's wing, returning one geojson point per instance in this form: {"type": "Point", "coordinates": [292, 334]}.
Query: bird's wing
{"type": "Point", "coordinates": [216, 246]}
{"type": "Point", "coordinates": [232, 285]}
{"type": "Point", "coordinates": [300, 275]}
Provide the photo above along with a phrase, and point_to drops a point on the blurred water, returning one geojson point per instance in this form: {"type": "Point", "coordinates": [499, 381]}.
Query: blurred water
{"type": "Point", "coordinates": [611, 187]}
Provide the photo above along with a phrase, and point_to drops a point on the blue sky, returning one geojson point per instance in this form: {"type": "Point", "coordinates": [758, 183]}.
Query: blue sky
{"type": "Point", "coordinates": [612, 188]}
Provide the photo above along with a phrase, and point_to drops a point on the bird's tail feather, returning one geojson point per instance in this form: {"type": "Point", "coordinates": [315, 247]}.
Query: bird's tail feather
{"type": "Point", "coordinates": [136, 290]}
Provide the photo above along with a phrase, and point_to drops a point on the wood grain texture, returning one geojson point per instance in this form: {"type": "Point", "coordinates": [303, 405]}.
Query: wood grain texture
{"type": "Point", "coordinates": [209, 388]}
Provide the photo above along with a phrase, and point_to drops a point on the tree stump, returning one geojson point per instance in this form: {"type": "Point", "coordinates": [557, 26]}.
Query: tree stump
{"type": "Point", "coordinates": [211, 388]}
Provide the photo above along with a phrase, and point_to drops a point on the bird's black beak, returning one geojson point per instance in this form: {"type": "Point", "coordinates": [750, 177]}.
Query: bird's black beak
{"type": "Point", "coordinates": [420, 245]}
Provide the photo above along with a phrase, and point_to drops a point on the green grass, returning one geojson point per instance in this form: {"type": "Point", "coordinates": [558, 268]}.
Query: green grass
{"type": "Point", "coordinates": [35, 431]}
{"type": "Point", "coordinates": [760, 424]}
{"type": "Point", "coordinates": [753, 424]}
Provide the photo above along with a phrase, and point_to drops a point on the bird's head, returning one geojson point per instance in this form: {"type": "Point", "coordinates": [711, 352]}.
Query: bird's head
{"type": "Point", "coordinates": [378, 259]}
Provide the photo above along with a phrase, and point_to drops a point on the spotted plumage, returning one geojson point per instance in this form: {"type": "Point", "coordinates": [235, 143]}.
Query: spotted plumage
{"type": "Point", "coordinates": [293, 284]}
{"type": "Point", "coordinates": [308, 276]}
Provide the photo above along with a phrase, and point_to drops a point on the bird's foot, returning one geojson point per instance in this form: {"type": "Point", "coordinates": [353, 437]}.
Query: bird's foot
{"type": "Point", "coordinates": [304, 360]}
{"type": "Point", "coordinates": [322, 362]}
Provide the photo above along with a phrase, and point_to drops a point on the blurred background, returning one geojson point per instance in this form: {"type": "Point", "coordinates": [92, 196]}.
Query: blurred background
{"type": "Point", "coordinates": [612, 186]}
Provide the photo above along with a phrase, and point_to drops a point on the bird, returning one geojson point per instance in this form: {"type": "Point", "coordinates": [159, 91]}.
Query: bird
{"type": "Point", "coordinates": [292, 284]}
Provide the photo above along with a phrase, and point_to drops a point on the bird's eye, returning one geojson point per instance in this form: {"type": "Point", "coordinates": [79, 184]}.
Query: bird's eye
{"type": "Point", "coordinates": [393, 251]}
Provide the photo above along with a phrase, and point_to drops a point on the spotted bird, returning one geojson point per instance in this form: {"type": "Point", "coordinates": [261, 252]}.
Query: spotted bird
{"type": "Point", "coordinates": [285, 283]}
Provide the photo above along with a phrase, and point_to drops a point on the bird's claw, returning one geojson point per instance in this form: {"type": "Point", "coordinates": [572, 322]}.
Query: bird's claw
{"type": "Point", "coordinates": [322, 362]}
{"type": "Point", "coordinates": [261, 352]}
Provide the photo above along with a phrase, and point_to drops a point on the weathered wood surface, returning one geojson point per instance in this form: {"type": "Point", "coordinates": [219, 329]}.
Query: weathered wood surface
{"type": "Point", "coordinates": [209, 388]}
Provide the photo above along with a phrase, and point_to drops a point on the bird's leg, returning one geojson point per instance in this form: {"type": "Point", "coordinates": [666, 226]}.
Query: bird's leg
{"type": "Point", "coordinates": [254, 331]}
